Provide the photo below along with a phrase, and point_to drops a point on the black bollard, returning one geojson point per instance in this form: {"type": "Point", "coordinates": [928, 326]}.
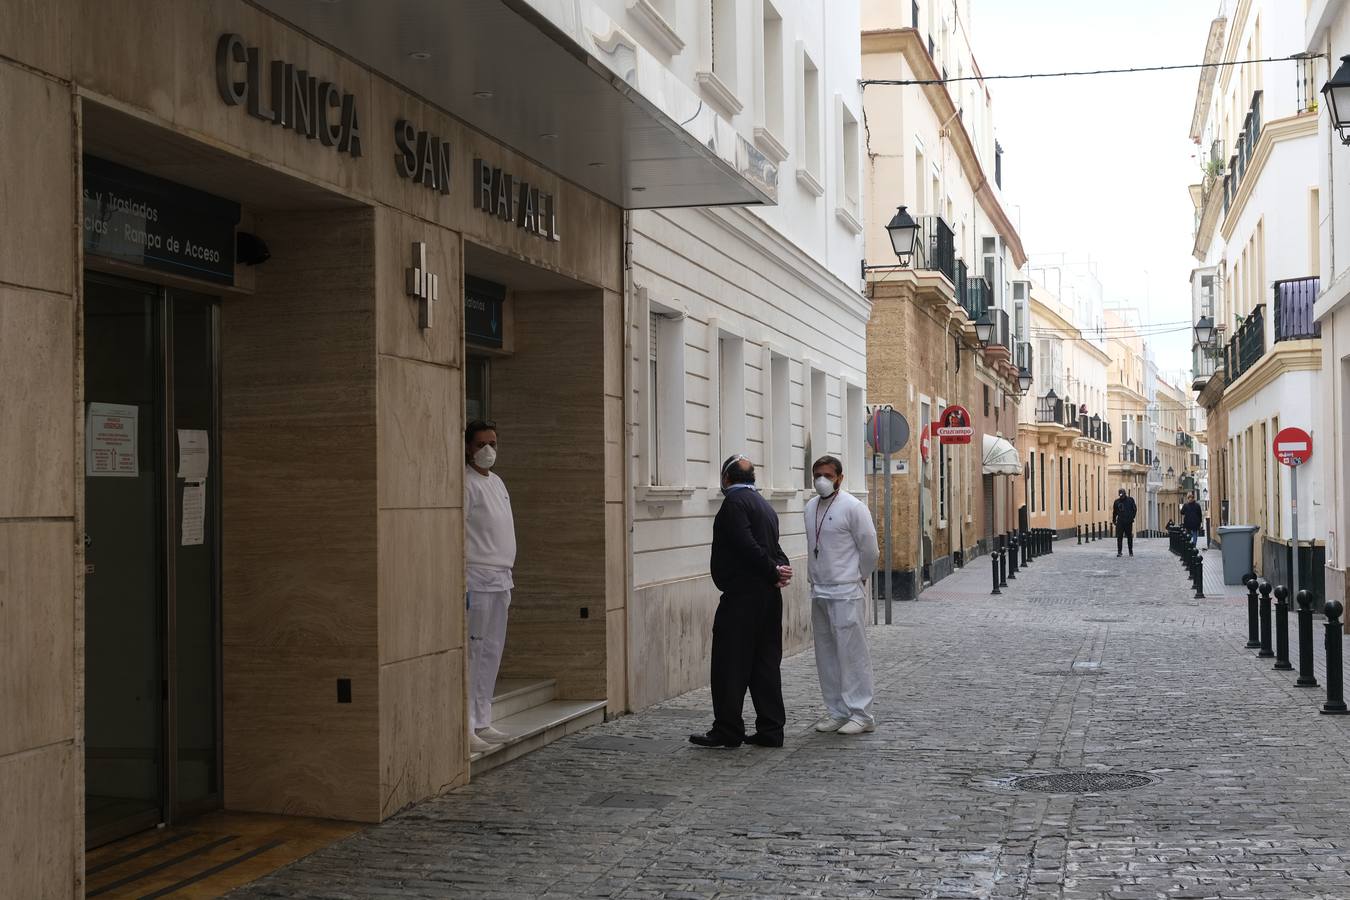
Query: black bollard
{"type": "Point", "coordinates": [1282, 628]}
{"type": "Point", "coordinates": [1012, 560]}
{"type": "Point", "coordinates": [1078, 533]}
{"type": "Point", "coordinates": [1199, 579]}
{"type": "Point", "coordinates": [993, 558]}
{"type": "Point", "coordinates": [1335, 705]}
{"type": "Point", "coordinates": [1026, 549]}
{"type": "Point", "coordinates": [1049, 540]}
{"type": "Point", "coordinates": [1253, 625]}
{"type": "Point", "coordinates": [1306, 678]}
{"type": "Point", "coordinates": [1264, 587]}
{"type": "Point", "coordinates": [1003, 562]}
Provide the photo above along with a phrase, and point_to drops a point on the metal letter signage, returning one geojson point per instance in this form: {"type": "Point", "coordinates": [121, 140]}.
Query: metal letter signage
{"type": "Point", "coordinates": [498, 194]}
{"type": "Point", "coordinates": [422, 285]}
{"type": "Point", "coordinates": [293, 98]}
{"type": "Point", "coordinates": [955, 426]}
{"type": "Point", "coordinates": [1293, 446]}
{"type": "Point", "coordinates": [422, 156]}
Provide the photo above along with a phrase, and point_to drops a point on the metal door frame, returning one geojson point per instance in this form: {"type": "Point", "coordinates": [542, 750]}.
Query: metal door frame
{"type": "Point", "coordinates": [170, 808]}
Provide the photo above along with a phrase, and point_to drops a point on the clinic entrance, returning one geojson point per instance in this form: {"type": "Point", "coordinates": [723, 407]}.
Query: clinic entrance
{"type": "Point", "coordinates": [152, 556]}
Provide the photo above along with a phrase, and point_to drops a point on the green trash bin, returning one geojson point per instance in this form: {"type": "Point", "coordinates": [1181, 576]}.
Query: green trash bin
{"type": "Point", "coordinates": [1237, 551]}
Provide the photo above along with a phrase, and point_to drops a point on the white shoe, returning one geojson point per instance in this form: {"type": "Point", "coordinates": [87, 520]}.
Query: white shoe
{"type": "Point", "coordinates": [491, 734]}
{"type": "Point", "coordinates": [827, 725]}
{"type": "Point", "coordinates": [851, 727]}
{"type": "Point", "coordinates": [478, 745]}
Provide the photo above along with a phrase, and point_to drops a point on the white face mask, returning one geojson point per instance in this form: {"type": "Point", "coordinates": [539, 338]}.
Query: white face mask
{"type": "Point", "coordinates": [824, 486]}
{"type": "Point", "coordinates": [485, 457]}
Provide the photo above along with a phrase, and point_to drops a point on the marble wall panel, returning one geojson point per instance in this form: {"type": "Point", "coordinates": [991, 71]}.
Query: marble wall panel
{"type": "Point", "coordinates": [421, 582]}
{"type": "Point", "coordinates": [38, 792]}
{"type": "Point", "coordinates": [37, 671]}
{"type": "Point", "coordinates": [418, 415]}
{"type": "Point", "coordinates": [37, 182]}
{"type": "Point", "coordinates": [400, 333]}
{"type": "Point", "coordinates": [37, 34]}
{"type": "Point", "coordinates": [423, 738]}
{"type": "Point", "coordinates": [37, 373]}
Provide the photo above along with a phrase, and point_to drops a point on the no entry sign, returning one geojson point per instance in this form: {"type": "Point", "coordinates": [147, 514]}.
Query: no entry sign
{"type": "Point", "coordinates": [954, 426]}
{"type": "Point", "coordinates": [1293, 446]}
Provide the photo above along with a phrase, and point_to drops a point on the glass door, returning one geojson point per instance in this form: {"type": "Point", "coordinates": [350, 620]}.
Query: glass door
{"type": "Point", "coordinates": [152, 486]}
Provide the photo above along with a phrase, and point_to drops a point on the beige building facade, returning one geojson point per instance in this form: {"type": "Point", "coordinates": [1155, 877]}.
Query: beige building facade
{"type": "Point", "coordinates": [1130, 459]}
{"type": "Point", "coordinates": [267, 272]}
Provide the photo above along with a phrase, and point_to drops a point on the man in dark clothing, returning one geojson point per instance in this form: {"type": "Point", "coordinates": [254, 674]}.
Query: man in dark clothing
{"type": "Point", "coordinates": [1122, 517]}
{"type": "Point", "coordinates": [750, 570]}
{"type": "Point", "coordinates": [1192, 518]}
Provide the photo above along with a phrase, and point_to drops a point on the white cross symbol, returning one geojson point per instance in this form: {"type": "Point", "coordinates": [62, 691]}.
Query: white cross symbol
{"type": "Point", "coordinates": [422, 284]}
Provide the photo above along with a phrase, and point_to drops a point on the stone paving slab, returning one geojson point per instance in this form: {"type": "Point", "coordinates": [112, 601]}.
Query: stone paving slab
{"type": "Point", "coordinates": [1248, 797]}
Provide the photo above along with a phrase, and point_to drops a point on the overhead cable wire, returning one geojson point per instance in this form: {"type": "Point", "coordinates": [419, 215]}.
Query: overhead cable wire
{"type": "Point", "coordinates": [1081, 72]}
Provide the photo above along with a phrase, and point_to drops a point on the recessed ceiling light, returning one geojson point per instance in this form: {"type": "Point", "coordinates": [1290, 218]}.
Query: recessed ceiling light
{"type": "Point", "coordinates": [482, 95]}
{"type": "Point", "coordinates": [420, 54]}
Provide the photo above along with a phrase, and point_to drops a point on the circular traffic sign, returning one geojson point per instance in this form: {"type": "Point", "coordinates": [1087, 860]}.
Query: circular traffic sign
{"type": "Point", "coordinates": [1293, 446]}
{"type": "Point", "coordinates": [887, 431]}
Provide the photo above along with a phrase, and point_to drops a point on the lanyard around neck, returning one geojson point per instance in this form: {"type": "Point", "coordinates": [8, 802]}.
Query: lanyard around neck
{"type": "Point", "coordinates": [820, 519]}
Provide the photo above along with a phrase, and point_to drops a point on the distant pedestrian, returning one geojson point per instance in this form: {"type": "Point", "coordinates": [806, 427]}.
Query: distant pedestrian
{"type": "Point", "coordinates": [841, 552]}
{"type": "Point", "coordinates": [751, 570]}
{"type": "Point", "coordinates": [1122, 517]}
{"type": "Point", "coordinates": [1193, 518]}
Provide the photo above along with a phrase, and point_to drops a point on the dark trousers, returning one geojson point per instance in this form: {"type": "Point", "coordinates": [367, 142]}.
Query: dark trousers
{"type": "Point", "coordinates": [1124, 532]}
{"type": "Point", "coordinates": [747, 650]}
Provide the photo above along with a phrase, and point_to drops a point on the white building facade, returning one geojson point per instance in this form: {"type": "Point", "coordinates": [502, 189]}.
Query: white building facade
{"type": "Point", "coordinates": [1257, 249]}
{"type": "Point", "coordinates": [746, 326]}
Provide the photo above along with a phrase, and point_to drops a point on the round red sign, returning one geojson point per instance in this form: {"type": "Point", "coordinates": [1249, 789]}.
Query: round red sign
{"type": "Point", "coordinates": [1293, 446]}
{"type": "Point", "coordinates": [954, 426]}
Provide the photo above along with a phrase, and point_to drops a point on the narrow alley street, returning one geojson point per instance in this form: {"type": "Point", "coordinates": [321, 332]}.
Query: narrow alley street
{"type": "Point", "coordinates": [1085, 664]}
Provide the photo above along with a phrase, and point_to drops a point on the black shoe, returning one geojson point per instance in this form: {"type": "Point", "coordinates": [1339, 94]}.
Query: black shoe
{"type": "Point", "coordinates": [712, 740]}
{"type": "Point", "coordinates": [1118, 555]}
{"type": "Point", "coordinates": [762, 740]}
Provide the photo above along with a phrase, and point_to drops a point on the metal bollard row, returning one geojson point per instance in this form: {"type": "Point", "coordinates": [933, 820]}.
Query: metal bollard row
{"type": "Point", "coordinates": [1261, 623]}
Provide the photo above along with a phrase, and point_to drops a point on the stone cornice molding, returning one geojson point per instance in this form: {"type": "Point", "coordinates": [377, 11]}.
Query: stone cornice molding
{"type": "Point", "coordinates": [1288, 356]}
{"type": "Point", "coordinates": [1290, 128]}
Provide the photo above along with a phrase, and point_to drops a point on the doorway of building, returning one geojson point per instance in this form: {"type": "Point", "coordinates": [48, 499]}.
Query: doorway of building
{"type": "Point", "coordinates": [152, 557]}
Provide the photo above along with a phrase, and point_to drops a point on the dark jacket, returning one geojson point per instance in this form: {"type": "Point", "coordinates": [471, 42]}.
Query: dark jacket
{"type": "Point", "coordinates": [745, 551]}
{"type": "Point", "coordinates": [1123, 510]}
{"type": "Point", "coordinates": [1192, 516]}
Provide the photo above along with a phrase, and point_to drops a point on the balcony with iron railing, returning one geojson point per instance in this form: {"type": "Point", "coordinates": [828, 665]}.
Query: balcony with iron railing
{"type": "Point", "coordinates": [1242, 151]}
{"type": "Point", "coordinates": [1185, 440]}
{"type": "Point", "coordinates": [1246, 347]}
{"type": "Point", "coordinates": [1002, 335]}
{"type": "Point", "coordinates": [976, 298]}
{"type": "Point", "coordinates": [1293, 305]}
{"type": "Point", "coordinates": [1203, 365]}
{"type": "Point", "coordinates": [1050, 410]}
{"type": "Point", "coordinates": [1139, 456]}
{"type": "Point", "coordinates": [937, 243]}
{"type": "Point", "coordinates": [1024, 356]}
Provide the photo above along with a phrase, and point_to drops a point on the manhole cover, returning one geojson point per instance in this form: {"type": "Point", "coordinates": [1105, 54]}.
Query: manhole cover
{"type": "Point", "coordinates": [1080, 782]}
{"type": "Point", "coordinates": [629, 801]}
{"type": "Point", "coordinates": [629, 744]}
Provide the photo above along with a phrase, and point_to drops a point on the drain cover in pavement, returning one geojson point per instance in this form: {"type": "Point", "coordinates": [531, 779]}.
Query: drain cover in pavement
{"type": "Point", "coordinates": [629, 744]}
{"type": "Point", "coordinates": [629, 801]}
{"type": "Point", "coordinates": [1079, 782]}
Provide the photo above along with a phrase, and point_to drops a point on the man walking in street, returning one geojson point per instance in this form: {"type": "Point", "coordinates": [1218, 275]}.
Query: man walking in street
{"type": "Point", "coordinates": [750, 569]}
{"type": "Point", "coordinates": [841, 552]}
{"type": "Point", "coordinates": [489, 555]}
{"type": "Point", "coordinates": [1122, 517]}
{"type": "Point", "coordinates": [1192, 518]}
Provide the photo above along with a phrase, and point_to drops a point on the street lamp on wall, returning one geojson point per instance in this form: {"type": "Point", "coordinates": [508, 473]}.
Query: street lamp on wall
{"type": "Point", "coordinates": [984, 328]}
{"type": "Point", "coordinates": [1337, 94]}
{"type": "Point", "coordinates": [1204, 331]}
{"type": "Point", "coordinates": [1024, 379]}
{"type": "Point", "coordinates": [903, 231]}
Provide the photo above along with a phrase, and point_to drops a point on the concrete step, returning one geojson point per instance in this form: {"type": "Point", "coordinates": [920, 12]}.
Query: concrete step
{"type": "Point", "coordinates": [536, 727]}
{"type": "Point", "coordinates": [514, 695]}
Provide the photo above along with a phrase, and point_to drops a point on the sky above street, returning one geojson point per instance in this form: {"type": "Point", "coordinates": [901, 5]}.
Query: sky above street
{"type": "Point", "coordinates": [1097, 167]}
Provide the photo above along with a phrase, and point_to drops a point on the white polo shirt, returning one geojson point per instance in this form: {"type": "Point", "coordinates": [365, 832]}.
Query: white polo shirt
{"type": "Point", "coordinates": [489, 532]}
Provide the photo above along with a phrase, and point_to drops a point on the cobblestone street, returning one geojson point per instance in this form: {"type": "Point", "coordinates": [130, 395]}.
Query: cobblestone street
{"type": "Point", "coordinates": [1085, 663]}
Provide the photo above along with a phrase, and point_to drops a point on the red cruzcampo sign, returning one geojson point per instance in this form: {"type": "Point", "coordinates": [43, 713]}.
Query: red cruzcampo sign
{"type": "Point", "coordinates": [1293, 446]}
{"type": "Point", "coordinates": [954, 426]}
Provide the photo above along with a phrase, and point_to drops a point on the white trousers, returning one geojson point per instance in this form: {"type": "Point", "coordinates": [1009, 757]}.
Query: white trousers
{"type": "Point", "coordinates": [487, 640]}
{"type": "Point", "coordinates": [842, 661]}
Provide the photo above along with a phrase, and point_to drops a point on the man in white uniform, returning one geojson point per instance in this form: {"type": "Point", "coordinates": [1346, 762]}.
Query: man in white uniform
{"type": "Point", "coordinates": [841, 553]}
{"type": "Point", "coordinates": [489, 554]}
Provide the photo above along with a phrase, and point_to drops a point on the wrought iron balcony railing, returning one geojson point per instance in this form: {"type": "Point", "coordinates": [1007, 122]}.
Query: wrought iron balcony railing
{"type": "Point", "coordinates": [1002, 334]}
{"type": "Point", "coordinates": [976, 298]}
{"type": "Point", "coordinates": [1293, 304]}
{"type": "Point", "coordinates": [1050, 410]}
{"type": "Point", "coordinates": [1246, 346]}
{"type": "Point", "coordinates": [939, 246]}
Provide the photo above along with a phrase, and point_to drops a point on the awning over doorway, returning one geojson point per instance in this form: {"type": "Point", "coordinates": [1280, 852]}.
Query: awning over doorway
{"type": "Point", "coordinates": [560, 82]}
{"type": "Point", "coordinates": [1000, 457]}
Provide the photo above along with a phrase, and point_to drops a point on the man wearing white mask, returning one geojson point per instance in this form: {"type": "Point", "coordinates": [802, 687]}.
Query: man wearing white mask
{"type": "Point", "coordinates": [841, 553]}
{"type": "Point", "coordinates": [489, 555]}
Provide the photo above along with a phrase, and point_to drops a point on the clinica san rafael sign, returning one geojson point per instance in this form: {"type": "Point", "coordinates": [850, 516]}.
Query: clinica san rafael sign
{"type": "Point", "coordinates": [282, 94]}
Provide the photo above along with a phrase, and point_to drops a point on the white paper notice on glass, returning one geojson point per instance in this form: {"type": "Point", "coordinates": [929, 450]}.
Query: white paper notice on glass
{"type": "Point", "coordinates": [110, 441]}
{"type": "Point", "coordinates": [194, 454]}
{"type": "Point", "coordinates": [194, 513]}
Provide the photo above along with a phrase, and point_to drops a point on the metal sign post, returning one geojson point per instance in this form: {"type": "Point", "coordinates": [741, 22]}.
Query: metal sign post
{"type": "Point", "coordinates": [888, 432]}
{"type": "Point", "coordinates": [1293, 447]}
